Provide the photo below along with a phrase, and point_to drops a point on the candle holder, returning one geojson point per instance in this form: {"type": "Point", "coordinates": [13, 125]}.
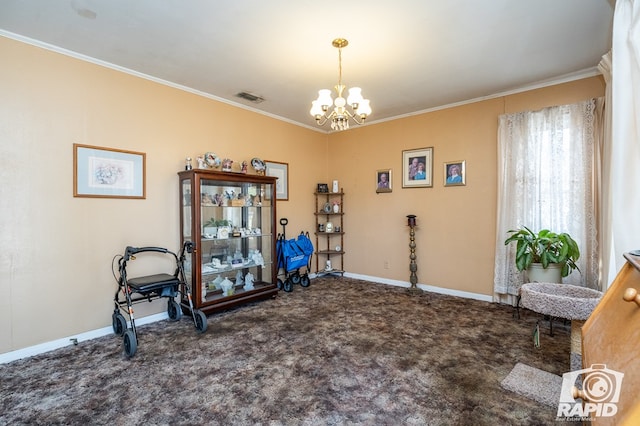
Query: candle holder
{"type": "Point", "coordinates": [413, 267]}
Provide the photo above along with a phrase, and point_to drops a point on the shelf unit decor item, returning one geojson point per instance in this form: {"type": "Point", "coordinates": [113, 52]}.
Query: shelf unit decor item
{"type": "Point", "coordinates": [230, 218]}
{"type": "Point", "coordinates": [329, 233]}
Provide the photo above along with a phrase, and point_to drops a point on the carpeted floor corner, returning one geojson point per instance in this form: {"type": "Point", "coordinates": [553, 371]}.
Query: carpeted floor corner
{"type": "Point", "coordinates": [340, 352]}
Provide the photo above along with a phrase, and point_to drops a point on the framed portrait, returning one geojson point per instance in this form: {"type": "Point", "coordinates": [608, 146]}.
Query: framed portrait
{"type": "Point", "coordinates": [281, 171]}
{"type": "Point", "coordinates": [322, 188]}
{"type": "Point", "coordinates": [383, 180]}
{"type": "Point", "coordinates": [108, 173]}
{"type": "Point", "coordinates": [454, 173]}
{"type": "Point", "coordinates": [417, 168]}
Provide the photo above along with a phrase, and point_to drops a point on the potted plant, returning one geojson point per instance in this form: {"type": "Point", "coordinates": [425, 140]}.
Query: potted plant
{"type": "Point", "coordinates": [212, 225]}
{"type": "Point", "coordinates": [544, 250]}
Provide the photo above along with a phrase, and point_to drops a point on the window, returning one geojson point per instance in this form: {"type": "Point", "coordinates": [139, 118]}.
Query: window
{"type": "Point", "coordinates": [546, 180]}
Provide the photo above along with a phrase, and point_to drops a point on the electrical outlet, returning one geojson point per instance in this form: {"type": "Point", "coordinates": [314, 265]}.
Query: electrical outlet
{"type": "Point", "coordinates": [386, 264]}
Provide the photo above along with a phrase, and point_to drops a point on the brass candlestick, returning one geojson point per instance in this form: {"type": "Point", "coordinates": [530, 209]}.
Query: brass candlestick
{"type": "Point", "coordinates": [413, 267]}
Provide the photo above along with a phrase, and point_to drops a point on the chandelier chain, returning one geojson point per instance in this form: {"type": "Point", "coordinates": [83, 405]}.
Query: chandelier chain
{"type": "Point", "coordinates": [340, 67]}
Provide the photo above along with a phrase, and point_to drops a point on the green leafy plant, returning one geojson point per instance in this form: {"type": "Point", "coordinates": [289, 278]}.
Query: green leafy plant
{"type": "Point", "coordinates": [544, 247]}
{"type": "Point", "coordinates": [217, 222]}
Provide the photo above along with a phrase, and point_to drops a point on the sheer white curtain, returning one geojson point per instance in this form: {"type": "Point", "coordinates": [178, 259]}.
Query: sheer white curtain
{"type": "Point", "coordinates": [546, 180]}
{"type": "Point", "coordinates": [625, 140]}
{"type": "Point", "coordinates": [605, 234]}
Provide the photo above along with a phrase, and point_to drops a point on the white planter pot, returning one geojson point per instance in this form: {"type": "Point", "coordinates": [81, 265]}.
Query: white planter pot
{"type": "Point", "coordinates": [537, 274]}
{"type": "Point", "coordinates": [211, 230]}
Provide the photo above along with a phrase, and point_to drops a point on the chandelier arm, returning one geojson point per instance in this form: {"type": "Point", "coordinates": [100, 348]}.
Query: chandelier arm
{"type": "Point", "coordinates": [355, 117]}
{"type": "Point", "coordinates": [322, 119]}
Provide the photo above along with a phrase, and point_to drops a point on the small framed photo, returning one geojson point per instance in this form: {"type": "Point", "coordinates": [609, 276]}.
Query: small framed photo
{"type": "Point", "coordinates": [322, 188]}
{"type": "Point", "coordinates": [281, 171]}
{"type": "Point", "coordinates": [454, 173]}
{"type": "Point", "coordinates": [108, 173]}
{"type": "Point", "coordinates": [383, 180]}
{"type": "Point", "coordinates": [417, 168]}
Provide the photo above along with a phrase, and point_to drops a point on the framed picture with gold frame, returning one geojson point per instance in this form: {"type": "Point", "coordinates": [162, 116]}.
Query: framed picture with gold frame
{"type": "Point", "coordinates": [417, 168]}
{"type": "Point", "coordinates": [281, 171]}
{"type": "Point", "coordinates": [108, 173]}
{"type": "Point", "coordinates": [454, 173]}
{"type": "Point", "coordinates": [383, 181]}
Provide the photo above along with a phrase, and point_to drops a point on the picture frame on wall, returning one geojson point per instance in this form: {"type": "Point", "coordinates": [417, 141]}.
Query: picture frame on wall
{"type": "Point", "coordinates": [281, 171]}
{"type": "Point", "coordinates": [100, 172]}
{"type": "Point", "coordinates": [454, 173]}
{"type": "Point", "coordinates": [383, 181]}
{"type": "Point", "coordinates": [417, 168]}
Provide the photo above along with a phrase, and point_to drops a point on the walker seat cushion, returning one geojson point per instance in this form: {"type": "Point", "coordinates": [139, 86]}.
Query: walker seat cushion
{"type": "Point", "coordinates": [149, 283]}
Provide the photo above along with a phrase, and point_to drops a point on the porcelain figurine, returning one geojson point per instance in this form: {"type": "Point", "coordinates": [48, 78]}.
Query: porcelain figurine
{"type": "Point", "coordinates": [248, 281]}
{"type": "Point", "coordinates": [227, 287]}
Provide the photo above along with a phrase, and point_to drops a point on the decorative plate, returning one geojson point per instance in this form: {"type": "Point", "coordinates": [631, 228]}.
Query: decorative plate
{"type": "Point", "coordinates": [258, 164]}
{"type": "Point", "coordinates": [211, 159]}
{"type": "Point", "coordinates": [327, 208]}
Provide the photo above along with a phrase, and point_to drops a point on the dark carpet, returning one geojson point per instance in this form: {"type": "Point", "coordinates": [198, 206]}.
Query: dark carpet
{"type": "Point", "coordinates": [340, 352]}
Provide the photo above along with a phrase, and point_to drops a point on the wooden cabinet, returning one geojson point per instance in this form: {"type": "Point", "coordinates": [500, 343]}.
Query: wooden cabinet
{"type": "Point", "coordinates": [611, 341]}
{"type": "Point", "coordinates": [329, 233]}
{"type": "Point", "coordinates": [230, 218]}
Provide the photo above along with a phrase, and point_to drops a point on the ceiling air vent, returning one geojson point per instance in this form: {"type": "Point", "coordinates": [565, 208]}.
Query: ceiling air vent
{"type": "Point", "coordinates": [256, 99]}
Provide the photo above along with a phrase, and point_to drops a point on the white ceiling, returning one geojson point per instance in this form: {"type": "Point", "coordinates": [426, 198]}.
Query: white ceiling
{"type": "Point", "coordinates": [408, 56]}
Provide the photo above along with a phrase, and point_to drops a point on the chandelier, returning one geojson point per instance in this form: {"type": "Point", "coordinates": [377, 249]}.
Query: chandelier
{"type": "Point", "coordinates": [340, 114]}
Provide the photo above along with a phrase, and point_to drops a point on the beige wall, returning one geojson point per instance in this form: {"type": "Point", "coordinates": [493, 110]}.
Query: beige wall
{"type": "Point", "coordinates": [56, 250]}
{"type": "Point", "coordinates": [456, 230]}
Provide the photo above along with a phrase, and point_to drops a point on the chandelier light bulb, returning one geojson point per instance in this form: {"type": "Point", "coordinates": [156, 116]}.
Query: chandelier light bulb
{"type": "Point", "coordinates": [364, 109]}
{"type": "Point", "coordinates": [316, 109]}
{"type": "Point", "coordinates": [355, 97]}
{"type": "Point", "coordinates": [324, 98]}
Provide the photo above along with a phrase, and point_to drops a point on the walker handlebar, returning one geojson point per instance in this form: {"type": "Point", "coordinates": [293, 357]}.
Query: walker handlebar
{"type": "Point", "coordinates": [130, 251]}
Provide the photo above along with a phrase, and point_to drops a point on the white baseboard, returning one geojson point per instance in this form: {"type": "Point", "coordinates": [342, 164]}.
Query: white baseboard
{"type": "Point", "coordinates": [72, 340]}
{"type": "Point", "coordinates": [433, 289]}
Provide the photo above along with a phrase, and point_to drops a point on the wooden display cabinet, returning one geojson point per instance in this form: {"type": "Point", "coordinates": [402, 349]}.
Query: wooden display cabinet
{"type": "Point", "coordinates": [230, 218]}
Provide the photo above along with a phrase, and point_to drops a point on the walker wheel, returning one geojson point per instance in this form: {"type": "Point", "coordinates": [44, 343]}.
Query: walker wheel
{"type": "Point", "coordinates": [305, 281]}
{"type": "Point", "coordinates": [200, 321]}
{"type": "Point", "coordinates": [130, 343]}
{"type": "Point", "coordinates": [288, 287]}
{"type": "Point", "coordinates": [280, 284]}
{"type": "Point", "coordinates": [174, 310]}
{"type": "Point", "coordinates": [119, 323]}
{"type": "Point", "coordinates": [295, 278]}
